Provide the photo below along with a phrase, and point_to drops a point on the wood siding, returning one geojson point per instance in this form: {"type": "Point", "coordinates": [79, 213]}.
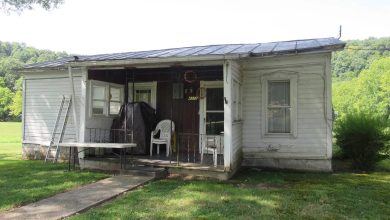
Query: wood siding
{"type": "Point", "coordinates": [43, 93]}
{"type": "Point", "coordinates": [313, 121]}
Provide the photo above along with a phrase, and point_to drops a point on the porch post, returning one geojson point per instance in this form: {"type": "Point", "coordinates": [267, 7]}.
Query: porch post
{"type": "Point", "coordinates": [73, 103]}
{"type": "Point", "coordinates": [227, 79]}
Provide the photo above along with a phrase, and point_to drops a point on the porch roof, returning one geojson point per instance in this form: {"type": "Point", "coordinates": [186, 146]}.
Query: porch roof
{"type": "Point", "coordinates": [210, 52]}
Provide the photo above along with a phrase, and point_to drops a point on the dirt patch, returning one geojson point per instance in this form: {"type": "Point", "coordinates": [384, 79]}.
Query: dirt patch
{"type": "Point", "coordinates": [244, 185]}
{"type": "Point", "coordinates": [187, 177]}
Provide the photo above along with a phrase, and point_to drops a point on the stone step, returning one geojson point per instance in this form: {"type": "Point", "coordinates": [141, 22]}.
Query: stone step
{"type": "Point", "coordinates": [154, 172]}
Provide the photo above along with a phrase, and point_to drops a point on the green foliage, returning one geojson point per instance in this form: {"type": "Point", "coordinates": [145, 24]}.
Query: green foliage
{"type": "Point", "coordinates": [21, 5]}
{"type": "Point", "coordinates": [12, 57]}
{"type": "Point", "coordinates": [370, 91]}
{"type": "Point", "coordinates": [352, 60]}
{"type": "Point", "coordinates": [361, 137]}
{"type": "Point", "coordinates": [5, 100]}
{"type": "Point", "coordinates": [16, 107]}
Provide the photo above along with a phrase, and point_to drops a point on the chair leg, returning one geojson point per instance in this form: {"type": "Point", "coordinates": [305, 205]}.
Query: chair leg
{"type": "Point", "coordinates": [215, 155]}
{"type": "Point", "coordinates": [168, 148]}
{"type": "Point", "coordinates": [158, 149]}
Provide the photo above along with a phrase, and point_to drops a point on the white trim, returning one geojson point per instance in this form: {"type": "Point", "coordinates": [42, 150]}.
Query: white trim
{"type": "Point", "coordinates": [152, 86]}
{"type": "Point", "coordinates": [74, 104]}
{"type": "Point", "coordinates": [23, 107]}
{"type": "Point", "coordinates": [328, 104]}
{"type": "Point", "coordinates": [275, 76]}
{"type": "Point", "coordinates": [228, 118]}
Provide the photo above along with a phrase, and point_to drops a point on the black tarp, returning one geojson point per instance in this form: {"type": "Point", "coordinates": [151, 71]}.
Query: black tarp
{"type": "Point", "coordinates": [144, 123]}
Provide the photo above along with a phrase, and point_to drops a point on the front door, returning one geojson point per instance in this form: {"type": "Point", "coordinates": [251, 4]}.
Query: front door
{"type": "Point", "coordinates": [211, 115]}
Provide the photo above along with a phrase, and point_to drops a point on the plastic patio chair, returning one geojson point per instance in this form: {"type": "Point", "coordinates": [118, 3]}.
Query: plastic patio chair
{"type": "Point", "coordinates": [165, 136]}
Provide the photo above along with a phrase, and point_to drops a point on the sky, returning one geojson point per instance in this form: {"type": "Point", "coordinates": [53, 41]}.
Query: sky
{"type": "Point", "coordinates": [108, 26]}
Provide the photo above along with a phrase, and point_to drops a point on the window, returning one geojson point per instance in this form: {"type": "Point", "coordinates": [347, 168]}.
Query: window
{"type": "Point", "coordinates": [115, 100]}
{"type": "Point", "coordinates": [278, 107]}
{"type": "Point", "coordinates": [279, 111]}
{"type": "Point", "coordinates": [143, 92]}
{"type": "Point", "coordinates": [106, 98]}
{"type": "Point", "coordinates": [98, 99]}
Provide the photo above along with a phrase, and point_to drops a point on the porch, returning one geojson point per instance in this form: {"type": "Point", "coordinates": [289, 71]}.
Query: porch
{"type": "Point", "coordinates": [192, 97]}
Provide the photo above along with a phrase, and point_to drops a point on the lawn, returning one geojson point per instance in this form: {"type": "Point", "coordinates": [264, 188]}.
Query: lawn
{"type": "Point", "coordinates": [256, 194]}
{"type": "Point", "coordinates": [24, 181]}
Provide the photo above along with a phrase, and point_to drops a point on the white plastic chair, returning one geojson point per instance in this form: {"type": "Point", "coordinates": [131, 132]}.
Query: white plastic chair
{"type": "Point", "coordinates": [165, 136]}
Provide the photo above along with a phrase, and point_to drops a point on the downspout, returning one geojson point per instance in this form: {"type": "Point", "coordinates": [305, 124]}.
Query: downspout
{"type": "Point", "coordinates": [73, 103]}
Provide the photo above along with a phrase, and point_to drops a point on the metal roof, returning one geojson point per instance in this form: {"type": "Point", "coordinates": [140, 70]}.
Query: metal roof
{"type": "Point", "coordinates": [257, 49]}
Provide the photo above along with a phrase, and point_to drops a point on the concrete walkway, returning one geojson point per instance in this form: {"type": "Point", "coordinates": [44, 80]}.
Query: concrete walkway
{"type": "Point", "coordinates": [69, 203]}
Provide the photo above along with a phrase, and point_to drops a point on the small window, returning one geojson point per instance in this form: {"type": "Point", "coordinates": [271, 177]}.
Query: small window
{"type": "Point", "coordinates": [98, 99]}
{"type": "Point", "coordinates": [279, 107]}
{"type": "Point", "coordinates": [143, 95]}
{"type": "Point", "coordinates": [143, 92]}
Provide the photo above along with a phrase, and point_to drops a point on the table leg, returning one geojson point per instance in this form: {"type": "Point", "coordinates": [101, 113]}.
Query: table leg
{"type": "Point", "coordinates": [70, 156]}
{"type": "Point", "coordinates": [74, 158]}
{"type": "Point", "coordinates": [124, 162]}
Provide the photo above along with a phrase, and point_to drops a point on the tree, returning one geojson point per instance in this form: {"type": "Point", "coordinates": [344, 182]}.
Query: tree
{"type": "Point", "coordinates": [5, 100]}
{"type": "Point", "coordinates": [358, 55]}
{"type": "Point", "coordinates": [16, 107]}
{"type": "Point", "coordinates": [21, 5]}
{"type": "Point", "coordinates": [369, 92]}
{"type": "Point", "coordinates": [12, 57]}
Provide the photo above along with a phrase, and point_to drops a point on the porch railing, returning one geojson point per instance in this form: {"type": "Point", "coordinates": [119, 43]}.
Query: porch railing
{"type": "Point", "coordinates": [198, 148]}
{"type": "Point", "coordinates": [187, 148]}
{"type": "Point", "coordinates": [103, 135]}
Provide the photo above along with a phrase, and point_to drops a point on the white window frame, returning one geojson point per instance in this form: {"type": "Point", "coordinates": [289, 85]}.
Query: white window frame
{"type": "Point", "coordinates": [107, 101]}
{"type": "Point", "coordinates": [152, 86]}
{"type": "Point", "coordinates": [292, 77]}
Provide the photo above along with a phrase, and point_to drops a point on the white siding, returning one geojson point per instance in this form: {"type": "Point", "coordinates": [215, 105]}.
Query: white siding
{"type": "Point", "coordinates": [43, 94]}
{"type": "Point", "coordinates": [312, 141]}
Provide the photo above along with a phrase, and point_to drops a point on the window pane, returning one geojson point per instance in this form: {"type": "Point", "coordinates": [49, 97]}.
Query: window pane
{"type": "Point", "coordinates": [115, 94]}
{"type": "Point", "coordinates": [279, 93]}
{"type": "Point", "coordinates": [98, 107]}
{"type": "Point", "coordinates": [144, 95]}
{"type": "Point", "coordinates": [214, 123]}
{"type": "Point", "coordinates": [214, 99]}
{"type": "Point", "coordinates": [98, 92]}
{"type": "Point", "coordinates": [279, 120]}
{"type": "Point", "coordinates": [114, 108]}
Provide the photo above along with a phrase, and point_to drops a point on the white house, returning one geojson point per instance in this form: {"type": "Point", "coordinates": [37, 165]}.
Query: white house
{"type": "Point", "coordinates": [263, 104]}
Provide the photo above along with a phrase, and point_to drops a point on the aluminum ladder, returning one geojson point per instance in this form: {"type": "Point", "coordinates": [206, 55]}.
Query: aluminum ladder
{"type": "Point", "coordinates": [59, 129]}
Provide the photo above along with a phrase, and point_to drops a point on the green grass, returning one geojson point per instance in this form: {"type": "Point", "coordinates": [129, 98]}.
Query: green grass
{"type": "Point", "coordinates": [256, 195]}
{"type": "Point", "coordinates": [25, 181]}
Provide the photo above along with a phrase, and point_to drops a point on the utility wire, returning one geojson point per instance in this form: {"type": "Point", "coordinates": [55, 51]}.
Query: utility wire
{"type": "Point", "coordinates": [376, 49]}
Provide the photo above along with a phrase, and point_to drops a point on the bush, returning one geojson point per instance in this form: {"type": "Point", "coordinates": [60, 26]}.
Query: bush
{"type": "Point", "coordinates": [361, 137]}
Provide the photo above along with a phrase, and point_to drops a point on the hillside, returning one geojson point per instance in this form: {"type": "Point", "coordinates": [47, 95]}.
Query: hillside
{"type": "Point", "coordinates": [13, 56]}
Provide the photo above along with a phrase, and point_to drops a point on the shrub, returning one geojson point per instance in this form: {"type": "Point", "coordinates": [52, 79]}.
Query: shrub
{"type": "Point", "coordinates": [361, 136]}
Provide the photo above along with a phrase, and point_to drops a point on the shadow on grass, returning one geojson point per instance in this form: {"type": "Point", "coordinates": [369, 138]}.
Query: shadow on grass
{"type": "Point", "coordinates": [298, 195]}
{"type": "Point", "coordinates": [24, 181]}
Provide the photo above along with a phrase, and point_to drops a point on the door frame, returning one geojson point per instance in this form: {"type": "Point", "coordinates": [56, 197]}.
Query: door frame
{"type": "Point", "coordinates": [202, 106]}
